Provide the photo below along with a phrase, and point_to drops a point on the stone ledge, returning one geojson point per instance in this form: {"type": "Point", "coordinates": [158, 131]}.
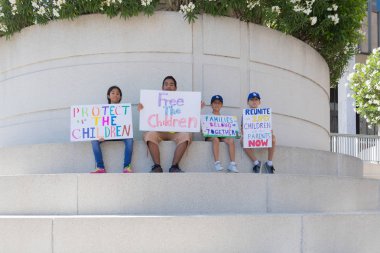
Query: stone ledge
{"type": "Point", "coordinates": [184, 194]}
{"type": "Point", "coordinates": [285, 233]}
{"type": "Point", "coordinates": [78, 158]}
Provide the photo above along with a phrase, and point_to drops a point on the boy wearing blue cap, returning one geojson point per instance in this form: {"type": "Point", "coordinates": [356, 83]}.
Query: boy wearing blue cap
{"type": "Point", "coordinates": [254, 101]}
{"type": "Point", "coordinates": [216, 104]}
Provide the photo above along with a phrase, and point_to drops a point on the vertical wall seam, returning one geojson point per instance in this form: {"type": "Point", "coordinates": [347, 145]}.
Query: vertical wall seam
{"type": "Point", "coordinates": [301, 235]}
{"type": "Point", "coordinates": [378, 195]}
{"type": "Point", "coordinates": [268, 210]}
{"type": "Point", "coordinates": [247, 63]}
{"type": "Point", "coordinates": [338, 166]}
{"type": "Point", "coordinates": [193, 58]}
{"type": "Point", "coordinates": [77, 194]}
{"type": "Point", "coordinates": [197, 54]}
{"type": "Point", "coordinates": [52, 235]}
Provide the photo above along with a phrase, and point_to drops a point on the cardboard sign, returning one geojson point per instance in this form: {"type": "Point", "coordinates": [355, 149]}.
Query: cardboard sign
{"type": "Point", "coordinates": [257, 128]}
{"type": "Point", "coordinates": [170, 111]}
{"type": "Point", "coordinates": [109, 121]}
{"type": "Point", "coordinates": [220, 126]}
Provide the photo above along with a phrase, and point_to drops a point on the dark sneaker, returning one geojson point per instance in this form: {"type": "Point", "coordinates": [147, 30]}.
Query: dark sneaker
{"type": "Point", "coordinates": [267, 169]}
{"type": "Point", "coordinates": [156, 169]}
{"type": "Point", "coordinates": [256, 168]}
{"type": "Point", "coordinates": [175, 169]}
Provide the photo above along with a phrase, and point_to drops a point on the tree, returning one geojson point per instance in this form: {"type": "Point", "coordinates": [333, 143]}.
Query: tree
{"type": "Point", "coordinates": [365, 84]}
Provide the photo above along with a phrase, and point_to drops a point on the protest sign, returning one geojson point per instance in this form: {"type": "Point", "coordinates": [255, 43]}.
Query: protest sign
{"type": "Point", "coordinates": [257, 128]}
{"type": "Point", "coordinates": [108, 121]}
{"type": "Point", "coordinates": [170, 111]}
{"type": "Point", "coordinates": [220, 126]}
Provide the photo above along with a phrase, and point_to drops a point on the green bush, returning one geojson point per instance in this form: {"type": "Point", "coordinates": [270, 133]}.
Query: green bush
{"type": "Point", "coordinates": [18, 14]}
{"type": "Point", "coordinates": [365, 84]}
{"type": "Point", "coordinates": [332, 27]}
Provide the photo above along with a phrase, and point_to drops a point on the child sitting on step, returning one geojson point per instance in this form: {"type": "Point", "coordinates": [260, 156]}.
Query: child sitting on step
{"type": "Point", "coordinates": [254, 101]}
{"type": "Point", "coordinates": [216, 105]}
{"type": "Point", "coordinates": [114, 96]}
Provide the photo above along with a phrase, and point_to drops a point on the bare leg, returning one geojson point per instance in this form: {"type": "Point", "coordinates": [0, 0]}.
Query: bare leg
{"type": "Point", "coordinates": [272, 149]}
{"type": "Point", "coordinates": [179, 151]}
{"type": "Point", "coordinates": [231, 148]}
{"type": "Point", "coordinates": [154, 152]}
{"type": "Point", "coordinates": [250, 154]}
{"type": "Point", "coordinates": [215, 148]}
{"type": "Point", "coordinates": [248, 151]}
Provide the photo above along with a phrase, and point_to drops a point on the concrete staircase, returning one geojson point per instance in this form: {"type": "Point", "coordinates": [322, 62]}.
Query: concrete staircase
{"type": "Point", "coordinates": [316, 202]}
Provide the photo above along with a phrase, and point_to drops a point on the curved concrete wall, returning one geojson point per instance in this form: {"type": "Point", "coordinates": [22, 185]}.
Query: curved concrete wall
{"type": "Point", "coordinates": [45, 69]}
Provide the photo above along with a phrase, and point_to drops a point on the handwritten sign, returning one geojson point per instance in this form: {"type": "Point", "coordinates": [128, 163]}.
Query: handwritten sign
{"type": "Point", "coordinates": [257, 128]}
{"type": "Point", "coordinates": [170, 111]}
{"type": "Point", "coordinates": [109, 121]}
{"type": "Point", "coordinates": [220, 126]}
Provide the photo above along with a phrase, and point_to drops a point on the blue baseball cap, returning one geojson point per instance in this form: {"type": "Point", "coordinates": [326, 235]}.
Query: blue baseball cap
{"type": "Point", "coordinates": [253, 95]}
{"type": "Point", "coordinates": [216, 97]}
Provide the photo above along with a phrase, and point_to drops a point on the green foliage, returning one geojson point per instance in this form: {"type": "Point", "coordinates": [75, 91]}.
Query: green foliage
{"type": "Point", "coordinates": [365, 84]}
{"type": "Point", "coordinates": [18, 14]}
{"type": "Point", "coordinates": [335, 33]}
{"type": "Point", "coordinates": [332, 27]}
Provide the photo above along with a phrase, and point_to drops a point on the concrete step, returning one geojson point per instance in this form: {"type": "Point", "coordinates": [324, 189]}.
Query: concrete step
{"type": "Point", "coordinates": [282, 233]}
{"type": "Point", "coordinates": [78, 158]}
{"type": "Point", "coordinates": [371, 170]}
{"type": "Point", "coordinates": [185, 193]}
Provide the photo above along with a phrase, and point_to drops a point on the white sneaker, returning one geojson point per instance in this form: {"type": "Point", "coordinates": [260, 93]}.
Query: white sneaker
{"type": "Point", "coordinates": [232, 167]}
{"type": "Point", "coordinates": [218, 167]}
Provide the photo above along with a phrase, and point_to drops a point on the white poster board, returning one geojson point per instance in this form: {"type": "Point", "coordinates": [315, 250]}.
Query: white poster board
{"type": "Point", "coordinates": [108, 121]}
{"type": "Point", "coordinates": [257, 128]}
{"type": "Point", "coordinates": [220, 126]}
{"type": "Point", "coordinates": [170, 111]}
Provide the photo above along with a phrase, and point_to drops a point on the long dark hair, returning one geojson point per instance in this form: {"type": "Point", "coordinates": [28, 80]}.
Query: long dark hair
{"type": "Point", "coordinates": [109, 92]}
{"type": "Point", "coordinates": [169, 77]}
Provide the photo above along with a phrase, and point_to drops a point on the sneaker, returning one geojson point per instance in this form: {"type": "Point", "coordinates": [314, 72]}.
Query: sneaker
{"type": "Point", "coordinates": [232, 167]}
{"type": "Point", "coordinates": [256, 168]}
{"type": "Point", "coordinates": [127, 169]}
{"type": "Point", "coordinates": [267, 169]}
{"type": "Point", "coordinates": [99, 170]}
{"type": "Point", "coordinates": [218, 167]}
{"type": "Point", "coordinates": [156, 169]}
{"type": "Point", "coordinates": [175, 169]}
